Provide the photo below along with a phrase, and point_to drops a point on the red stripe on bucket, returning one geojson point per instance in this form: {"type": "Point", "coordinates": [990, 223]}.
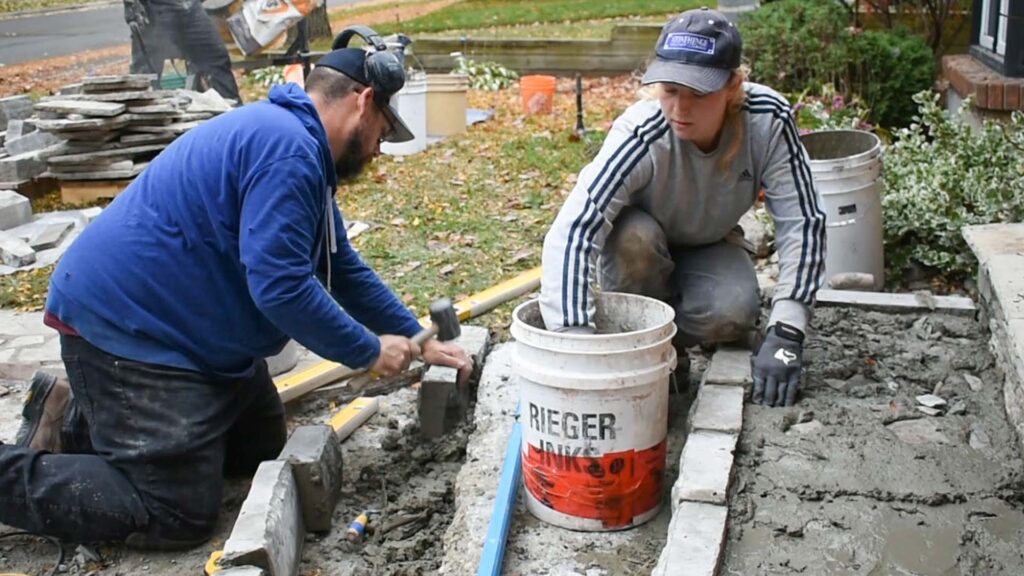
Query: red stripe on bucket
{"type": "Point", "coordinates": [613, 488]}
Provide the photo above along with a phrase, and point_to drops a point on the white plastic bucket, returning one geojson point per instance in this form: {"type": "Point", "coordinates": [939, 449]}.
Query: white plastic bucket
{"type": "Point", "coordinates": [446, 104]}
{"type": "Point", "coordinates": [411, 103]}
{"type": "Point", "coordinates": [846, 166]}
{"type": "Point", "coordinates": [594, 412]}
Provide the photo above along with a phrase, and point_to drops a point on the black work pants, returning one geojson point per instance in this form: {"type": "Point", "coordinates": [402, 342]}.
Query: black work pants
{"type": "Point", "coordinates": [161, 441]}
{"type": "Point", "coordinates": [181, 28]}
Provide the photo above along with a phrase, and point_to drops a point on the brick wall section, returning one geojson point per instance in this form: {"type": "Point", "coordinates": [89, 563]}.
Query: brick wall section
{"type": "Point", "coordinates": [991, 90]}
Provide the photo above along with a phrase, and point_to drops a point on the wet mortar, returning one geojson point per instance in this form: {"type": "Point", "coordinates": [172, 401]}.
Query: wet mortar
{"type": "Point", "coordinates": [854, 480]}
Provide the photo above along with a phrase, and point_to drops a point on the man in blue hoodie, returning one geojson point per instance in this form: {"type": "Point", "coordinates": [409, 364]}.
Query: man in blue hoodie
{"type": "Point", "coordinates": [227, 245]}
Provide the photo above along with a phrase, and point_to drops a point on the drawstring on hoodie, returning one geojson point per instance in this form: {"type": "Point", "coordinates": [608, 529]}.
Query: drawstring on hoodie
{"type": "Point", "coordinates": [332, 236]}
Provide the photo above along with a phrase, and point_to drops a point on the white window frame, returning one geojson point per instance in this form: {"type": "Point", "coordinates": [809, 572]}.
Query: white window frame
{"type": "Point", "coordinates": [998, 44]}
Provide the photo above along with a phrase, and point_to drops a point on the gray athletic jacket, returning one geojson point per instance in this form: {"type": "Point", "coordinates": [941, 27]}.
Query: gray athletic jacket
{"type": "Point", "coordinates": [642, 163]}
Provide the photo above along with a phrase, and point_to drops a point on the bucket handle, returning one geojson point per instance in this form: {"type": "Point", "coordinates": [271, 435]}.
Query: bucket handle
{"type": "Point", "coordinates": [842, 223]}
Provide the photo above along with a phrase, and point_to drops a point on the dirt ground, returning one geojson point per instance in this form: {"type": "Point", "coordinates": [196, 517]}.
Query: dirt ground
{"type": "Point", "coordinates": [855, 480]}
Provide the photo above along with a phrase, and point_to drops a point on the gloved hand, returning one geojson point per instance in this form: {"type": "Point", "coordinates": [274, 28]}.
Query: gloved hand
{"type": "Point", "coordinates": [135, 15]}
{"type": "Point", "coordinates": [776, 366]}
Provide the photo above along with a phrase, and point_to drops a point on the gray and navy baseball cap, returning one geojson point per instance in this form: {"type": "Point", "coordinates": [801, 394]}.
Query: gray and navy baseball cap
{"type": "Point", "coordinates": [698, 49]}
{"type": "Point", "coordinates": [352, 63]}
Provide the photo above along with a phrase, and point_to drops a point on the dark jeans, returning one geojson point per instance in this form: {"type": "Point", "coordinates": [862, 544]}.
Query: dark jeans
{"type": "Point", "coordinates": [162, 439]}
{"type": "Point", "coordinates": [713, 288]}
{"type": "Point", "coordinates": [181, 28]}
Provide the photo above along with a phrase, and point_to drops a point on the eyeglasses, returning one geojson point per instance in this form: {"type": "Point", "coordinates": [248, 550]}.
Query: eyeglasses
{"type": "Point", "coordinates": [391, 126]}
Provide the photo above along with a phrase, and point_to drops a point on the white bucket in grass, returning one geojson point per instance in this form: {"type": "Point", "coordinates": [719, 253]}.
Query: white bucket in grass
{"type": "Point", "coordinates": [594, 412]}
{"type": "Point", "coordinates": [411, 103]}
{"type": "Point", "coordinates": [846, 166]}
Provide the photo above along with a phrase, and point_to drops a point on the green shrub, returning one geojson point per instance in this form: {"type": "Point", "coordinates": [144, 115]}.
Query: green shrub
{"type": "Point", "coordinates": [484, 75]}
{"type": "Point", "coordinates": [828, 110]}
{"type": "Point", "coordinates": [940, 175]}
{"type": "Point", "coordinates": [797, 46]}
{"type": "Point", "coordinates": [889, 67]}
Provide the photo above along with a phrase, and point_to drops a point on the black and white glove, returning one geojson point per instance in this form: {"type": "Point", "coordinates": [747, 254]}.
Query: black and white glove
{"type": "Point", "coordinates": [136, 15]}
{"type": "Point", "coordinates": [776, 366]}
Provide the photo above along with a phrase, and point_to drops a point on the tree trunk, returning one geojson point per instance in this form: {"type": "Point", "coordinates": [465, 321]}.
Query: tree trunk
{"type": "Point", "coordinates": [319, 24]}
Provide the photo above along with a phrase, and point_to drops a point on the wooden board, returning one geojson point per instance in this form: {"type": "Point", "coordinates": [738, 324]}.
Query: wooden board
{"type": "Point", "coordinates": [83, 191]}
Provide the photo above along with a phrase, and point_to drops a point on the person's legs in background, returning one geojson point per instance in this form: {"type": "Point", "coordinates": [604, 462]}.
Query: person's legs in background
{"type": "Point", "coordinates": [200, 42]}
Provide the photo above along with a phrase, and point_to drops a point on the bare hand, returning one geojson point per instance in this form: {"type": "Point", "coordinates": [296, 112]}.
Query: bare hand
{"type": "Point", "coordinates": [448, 354]}
{"type": "Point", "coordinates": [396, 353]}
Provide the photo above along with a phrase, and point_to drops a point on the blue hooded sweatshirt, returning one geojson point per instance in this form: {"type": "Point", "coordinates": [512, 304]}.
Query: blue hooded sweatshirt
{"type": "Point", "coordinates": [214, 255]}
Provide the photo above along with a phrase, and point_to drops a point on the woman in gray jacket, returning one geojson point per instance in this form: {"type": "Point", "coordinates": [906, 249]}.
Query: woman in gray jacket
{"type": "Point", "coordinates": [661, 201]}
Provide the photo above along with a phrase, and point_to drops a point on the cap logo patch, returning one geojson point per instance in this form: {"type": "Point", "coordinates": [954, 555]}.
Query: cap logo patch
{"type": "Point", "coordinates": [689, 42]}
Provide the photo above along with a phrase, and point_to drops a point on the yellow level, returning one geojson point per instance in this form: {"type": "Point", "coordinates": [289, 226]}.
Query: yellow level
{"type": "Point", "coordinates": [325, 372]}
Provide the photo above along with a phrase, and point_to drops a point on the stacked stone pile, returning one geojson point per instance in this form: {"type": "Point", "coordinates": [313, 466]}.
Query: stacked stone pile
{"type": "Point", "coordinates": [109, 127]}
{"type": "Point", "coordinates": [31, 241]}
{"type": "Point", "coordinates": [18, 157]}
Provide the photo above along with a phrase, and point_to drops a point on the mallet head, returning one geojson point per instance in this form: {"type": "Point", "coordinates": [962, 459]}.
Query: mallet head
{"type": "Point", "coordinates": [442, 314]}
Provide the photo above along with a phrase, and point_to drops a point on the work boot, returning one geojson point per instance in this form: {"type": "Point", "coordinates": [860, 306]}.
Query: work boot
{"type": "Point", "coordinates": [43, 413]}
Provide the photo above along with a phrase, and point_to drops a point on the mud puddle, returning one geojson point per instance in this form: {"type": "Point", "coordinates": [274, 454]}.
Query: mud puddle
{"type": "Point", "coordinates": [387, 467]}
{"type": "Point", "coordinates": [856, 480]}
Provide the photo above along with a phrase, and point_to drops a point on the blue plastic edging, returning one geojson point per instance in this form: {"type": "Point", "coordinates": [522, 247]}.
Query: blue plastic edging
{"type": "Point", "coordinates": [501, 518]}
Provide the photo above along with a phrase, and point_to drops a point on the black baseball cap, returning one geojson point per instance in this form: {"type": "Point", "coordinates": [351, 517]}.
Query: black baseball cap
{"type": "Point", "coordinates": [352, 63]}
{"type": "Point", "coordinates": [698, 49]}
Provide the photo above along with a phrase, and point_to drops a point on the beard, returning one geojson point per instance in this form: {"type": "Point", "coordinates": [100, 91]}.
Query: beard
{"type": "Point", "coordinates": [354, 157]}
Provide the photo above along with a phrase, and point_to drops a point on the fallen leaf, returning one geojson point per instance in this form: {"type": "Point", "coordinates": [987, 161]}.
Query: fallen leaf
{"type": "Point", "coordinates": [522, 254]}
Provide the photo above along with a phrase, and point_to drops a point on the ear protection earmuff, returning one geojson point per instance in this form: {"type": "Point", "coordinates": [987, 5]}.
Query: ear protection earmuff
{"type": "Point", "coordinates": [382, 68]}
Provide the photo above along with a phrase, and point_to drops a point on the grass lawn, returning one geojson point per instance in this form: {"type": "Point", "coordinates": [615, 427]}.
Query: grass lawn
{"type": "Point", "coordinates": [463, 215]}
{"type": "Point", "coordinates": [593, 30]}
{"type": "Point", "coordinates": [477, 14]}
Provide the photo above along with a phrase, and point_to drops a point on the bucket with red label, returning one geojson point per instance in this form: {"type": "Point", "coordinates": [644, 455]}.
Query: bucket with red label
{"type": "Point", "coordinates": [594, 413]}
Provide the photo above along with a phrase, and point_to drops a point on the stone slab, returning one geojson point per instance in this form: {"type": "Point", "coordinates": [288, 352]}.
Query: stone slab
{"type": "Point", "coordinates": [50, 235]}
{"type": "Point", "coordinates": [31, 142]}
{"type": "Point", "coordinates": [1004, 275]}
{"type": "Point", "coordinates": [718, 408]}
{"type": "Point", "coordinates": [891, 302]}
{"type": "Point", "coordinates": [176, 129]}
{"type": "Point", "coordinates": [242, 571]}
{"type": "Point", "coordinates": [730, 366]}
{"type": "Point", "coordinates": [14, 108]}
{"type": "Point", "coordinates": [83, 107]}
{"type": "Point", "coordinates": [209, 101]}
{"type": "Point", "coordinates": [315, 456]}
{"type": "Point", "coordinates": [118, 153]}
{"type": "Point", "coordinates": [988, 240]}
{"type": "Point", "coordinates": [18, 128]}
{"type": "Point", "coordinates": [129, 96]}
{"type": "Point", "coordinates": [15, 209]}
{"type": "Point", "coordinates": [443, 400]}
{"type": "Point", "coordinates": [22, 167]}
{"type": "Point", "coordinates": [705, 468]}
{"type": "Point", "coordinates": [14, 251]}
{"type": "Point", "coordinates": [268, 532]}
{"type": "Point", "coordinates": [696, 537]}
{"type": "Point", "coordinates": [80, 124]}
{"type": "Point", "coordinates": [440, 404]}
